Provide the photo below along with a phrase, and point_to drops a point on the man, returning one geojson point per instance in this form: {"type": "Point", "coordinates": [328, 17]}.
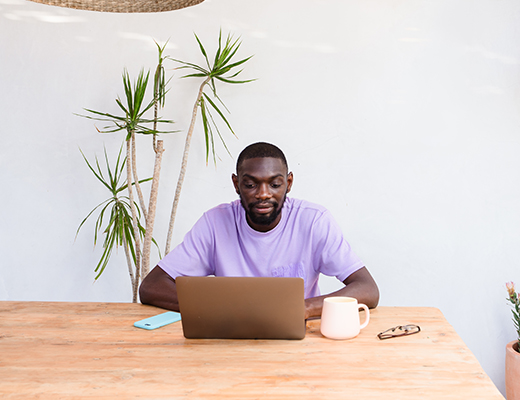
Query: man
{"type": "Point", "coordinates": [264, 234]}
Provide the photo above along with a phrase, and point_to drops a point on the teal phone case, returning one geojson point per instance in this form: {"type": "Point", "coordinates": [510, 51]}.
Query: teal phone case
{"type": "Point", "coordinates": [158, 320]}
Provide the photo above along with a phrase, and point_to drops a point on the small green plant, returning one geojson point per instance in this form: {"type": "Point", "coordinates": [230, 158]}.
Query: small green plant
{"type": "Point", "coordinates": [219, 70]}
{"type": "Point", "coordinates": [118, 230]}
{"type": "Point", "coordinates": [134, 122]}
{"type": "Point", "coordinates": [515, 301]}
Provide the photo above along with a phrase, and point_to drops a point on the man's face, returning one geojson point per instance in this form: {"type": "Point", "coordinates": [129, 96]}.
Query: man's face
{"type": "Point", "coordinates": [262, 184]}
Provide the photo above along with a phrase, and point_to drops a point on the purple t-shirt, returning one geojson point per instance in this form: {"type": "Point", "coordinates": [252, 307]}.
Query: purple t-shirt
{"type": "Point", "coordinates": [306, 242]}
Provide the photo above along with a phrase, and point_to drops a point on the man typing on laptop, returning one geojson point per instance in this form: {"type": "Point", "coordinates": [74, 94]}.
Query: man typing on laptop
{"type": "Point", "coordinates": [264, 234]}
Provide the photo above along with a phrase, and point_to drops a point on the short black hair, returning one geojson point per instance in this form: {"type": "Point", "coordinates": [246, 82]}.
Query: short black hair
{"type": "Point", "coordinates": [261, 150]}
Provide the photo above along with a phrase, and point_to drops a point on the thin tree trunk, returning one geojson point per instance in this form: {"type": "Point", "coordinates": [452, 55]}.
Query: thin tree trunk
{"type": "Point", "coordinates": [183, 167]}
{"type": "Point", "coordinates": [151, 209]}
{"type": "Point", "coordinates": [155, 112]}
{"type": "Point", "coordinates": [152, 204]}
{"type": "Point", "coordinates": [134, 214]}
{"type": "Point", "coordinates": [154, 142]}
{"type": "Point", "coordinates": [156, 99]}
{"type": "Point", "coordinates": [136, 180]}
{"type": "Point", "coordinates": [130, 270]}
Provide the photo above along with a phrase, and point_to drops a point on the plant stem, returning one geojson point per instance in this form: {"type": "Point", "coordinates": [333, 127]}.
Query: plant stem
{"type": "Point", "coordinates": [129, 161]}
{"type": "Point", "coordinates": [154, 143]}
{"type": "Point", "coordinates": [136, 179]}
{"type": "Point", "coordinates": [156, 105]}
{"type": "Point", "coordinates": [130, 271]}
{"type": "Point", "coordinates": [151, 210]}
{"type": "Point", "coordinates": [155, 113]}
{"type": "Point", "coordinates": [184, 165]}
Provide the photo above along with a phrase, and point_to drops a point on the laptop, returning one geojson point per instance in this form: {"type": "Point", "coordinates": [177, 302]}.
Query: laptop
{"type": "Point", "coordinates": [241, 307]}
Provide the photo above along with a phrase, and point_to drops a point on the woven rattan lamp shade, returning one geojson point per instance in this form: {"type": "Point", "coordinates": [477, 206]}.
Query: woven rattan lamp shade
{"type": "Point", "coordinates": [122, 6]}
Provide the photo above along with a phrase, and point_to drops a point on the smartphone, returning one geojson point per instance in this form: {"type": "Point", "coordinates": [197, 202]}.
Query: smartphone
{"type": "Point", "coordinates": [158, 320]}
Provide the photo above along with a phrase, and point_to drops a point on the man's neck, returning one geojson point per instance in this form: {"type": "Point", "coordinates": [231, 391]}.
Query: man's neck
{"type": "Point", "coordinates": [264, 228]}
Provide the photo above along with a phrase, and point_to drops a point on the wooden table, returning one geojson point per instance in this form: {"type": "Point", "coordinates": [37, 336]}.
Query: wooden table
{"type": "Point", "coordinates": [75, 350]}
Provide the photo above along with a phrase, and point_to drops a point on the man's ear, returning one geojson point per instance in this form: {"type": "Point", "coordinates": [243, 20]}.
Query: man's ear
{"type": "Point", "coordinates": [234, 178]}
{"type": "Point", "coordinates": [289, 181]}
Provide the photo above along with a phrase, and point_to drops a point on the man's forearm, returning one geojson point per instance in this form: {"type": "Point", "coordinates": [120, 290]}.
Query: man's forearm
{"type": "Point", "coordinates": [159, 289]}
{"type": "Point", "coordinates": [158, 301]}
{"type": "Point", "coordinates": [359, 285]}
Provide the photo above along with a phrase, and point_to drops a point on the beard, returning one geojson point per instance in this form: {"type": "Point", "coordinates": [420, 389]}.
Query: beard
{"type": "Point", "coordinates": [263, 219]}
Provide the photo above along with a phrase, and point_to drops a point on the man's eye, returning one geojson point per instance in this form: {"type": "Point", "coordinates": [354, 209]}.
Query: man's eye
{"type": "Point", "coordinates": [275, 185]}
{"type": "Point", "coordinates": [249, 185]}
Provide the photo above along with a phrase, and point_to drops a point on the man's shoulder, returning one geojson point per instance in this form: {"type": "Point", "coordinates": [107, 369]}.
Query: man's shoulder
{"type": "Point", "coordinates": [311, 218]}
{"type": "Point", "coordinates": [304, 209]}
{"type": "Point", "coordinates": [224, 210]}
{"type": "Point", "coordinates": [304, 205]}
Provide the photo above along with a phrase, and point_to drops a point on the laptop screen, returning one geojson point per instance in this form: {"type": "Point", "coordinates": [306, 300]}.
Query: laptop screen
{"type": "Point", "coordinates": [241, 307]}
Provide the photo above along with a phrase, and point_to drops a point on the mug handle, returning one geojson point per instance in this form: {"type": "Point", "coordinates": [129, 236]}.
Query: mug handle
{"type": "Point", "coordinates": [367, 315]}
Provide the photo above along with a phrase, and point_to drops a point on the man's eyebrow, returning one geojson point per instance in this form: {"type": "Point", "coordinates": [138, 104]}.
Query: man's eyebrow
{"type": "Point", "coordinates": [256, 178]}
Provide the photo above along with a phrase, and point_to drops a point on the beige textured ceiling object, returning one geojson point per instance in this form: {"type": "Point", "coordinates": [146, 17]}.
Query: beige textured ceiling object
{"type": "Point", "coordinates": [122, 6]}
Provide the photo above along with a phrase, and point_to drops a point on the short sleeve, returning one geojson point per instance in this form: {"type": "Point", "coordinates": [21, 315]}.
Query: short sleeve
{"type": "Point", "coordinates": [193, 256]}
{"type": "Point", "coordinates": [334, 255]}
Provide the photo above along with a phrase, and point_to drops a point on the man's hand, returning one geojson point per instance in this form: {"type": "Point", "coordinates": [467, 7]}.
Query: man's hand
{"type": "Point", "coordinates": [159, 289]}
{"type": "Point", "coordinates": [359, 285]}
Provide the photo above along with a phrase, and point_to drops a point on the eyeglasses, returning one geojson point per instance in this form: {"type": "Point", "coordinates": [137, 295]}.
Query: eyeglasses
{"type": "Point", "coordinates": [397, 331]}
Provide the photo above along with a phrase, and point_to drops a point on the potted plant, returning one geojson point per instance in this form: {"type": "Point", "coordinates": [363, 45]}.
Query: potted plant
{"type": "Point", "coordinates": [513, 349]}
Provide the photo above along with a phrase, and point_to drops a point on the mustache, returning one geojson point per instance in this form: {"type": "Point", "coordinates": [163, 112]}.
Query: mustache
{"type": "Point", "coordinates": [263, 203]}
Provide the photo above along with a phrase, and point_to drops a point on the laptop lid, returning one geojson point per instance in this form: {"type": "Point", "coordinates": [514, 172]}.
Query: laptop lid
{"type": "Point", "coordinates": [241, 307]}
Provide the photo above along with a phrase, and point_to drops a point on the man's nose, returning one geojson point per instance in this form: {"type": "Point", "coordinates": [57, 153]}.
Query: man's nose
{"type": "Point", "coordinates": [264, 191]}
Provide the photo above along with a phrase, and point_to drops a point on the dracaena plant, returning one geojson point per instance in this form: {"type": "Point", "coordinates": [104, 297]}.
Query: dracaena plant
{"type": "Point", "coordinates": [114, 219]}
{"type": "Point", "coordinates": [223, 69]}
{"type": "Point", "coordinates": [133, 121]}
{"type": "Point", "coordinates": [514, 299]}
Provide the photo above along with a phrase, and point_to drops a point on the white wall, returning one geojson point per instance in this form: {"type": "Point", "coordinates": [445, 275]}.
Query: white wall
{"type": "Point", "coordinates": [400, 116]}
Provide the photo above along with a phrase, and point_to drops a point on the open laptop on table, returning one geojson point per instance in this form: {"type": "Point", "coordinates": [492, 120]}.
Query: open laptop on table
{"type": "Point", "coordinates": [241, 307]}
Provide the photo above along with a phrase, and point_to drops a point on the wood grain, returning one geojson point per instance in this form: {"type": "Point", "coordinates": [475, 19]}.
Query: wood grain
{"type": "Point", "coordinates": [92, 350]}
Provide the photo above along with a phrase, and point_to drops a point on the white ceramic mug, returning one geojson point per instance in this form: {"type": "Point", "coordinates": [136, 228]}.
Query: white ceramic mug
{"type": "Point", "coordinates": [340, 317]}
